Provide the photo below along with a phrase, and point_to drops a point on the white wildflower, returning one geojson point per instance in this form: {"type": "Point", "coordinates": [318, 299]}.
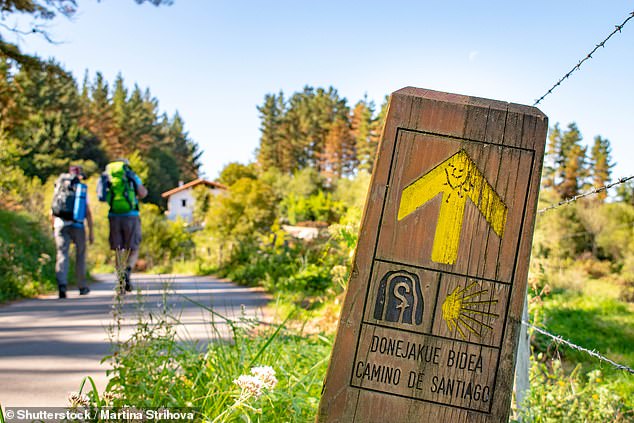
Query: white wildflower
{"type": "Point", "coordinates": [266, 374]}
{"type": "Point", "coordinates": [251, 385]}
{"type": "Point", "coordinates": [75, 399]}
{"type": "Point", "coordinates": [110, 396]}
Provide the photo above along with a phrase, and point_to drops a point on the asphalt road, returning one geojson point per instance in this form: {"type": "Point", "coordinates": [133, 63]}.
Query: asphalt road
{"type": "Point", "coordinates": [48, 345]}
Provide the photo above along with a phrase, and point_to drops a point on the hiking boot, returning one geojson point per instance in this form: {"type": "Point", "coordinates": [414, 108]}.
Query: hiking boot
{"type": "Point", "coordinates": [128, 285]}
{"type": "Point", "coordinates": [84, 291]}
{"type": "Point", "coordinates": [62, 292]}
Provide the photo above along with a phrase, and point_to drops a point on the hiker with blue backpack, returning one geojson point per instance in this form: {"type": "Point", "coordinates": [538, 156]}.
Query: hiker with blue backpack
{"type": "Point", "coordinates": [68, 212]}
{"type": "Point", "coordinates": [121, 188]}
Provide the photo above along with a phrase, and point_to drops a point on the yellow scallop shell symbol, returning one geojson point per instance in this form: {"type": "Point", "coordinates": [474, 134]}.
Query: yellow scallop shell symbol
{"type": "Point", "coordinates": [462, 312]}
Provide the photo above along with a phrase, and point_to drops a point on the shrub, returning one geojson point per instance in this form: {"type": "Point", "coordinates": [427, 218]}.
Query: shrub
{"type": "Point", "coordinates": [627, 292]}
{"type": "Point", "coordinates": [164, 241]}
{"type": "Point", "coordinates": [311, 280]}
{"type": "Point", "coordinates": [27, 257]}
{"type": "Point", "coordinates": [555, 396]}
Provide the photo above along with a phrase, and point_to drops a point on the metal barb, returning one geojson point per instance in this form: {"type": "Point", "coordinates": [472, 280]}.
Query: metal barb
{"type": "Point", "coordinates": [589, 56]}
{"type": "Point", "coordinates": [585, 194]}
{"type": "Point", "coordinates": [560, 340]}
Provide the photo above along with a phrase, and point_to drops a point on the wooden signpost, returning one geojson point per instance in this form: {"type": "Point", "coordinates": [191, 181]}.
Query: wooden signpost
{"type": "Point", "coordinates": [429, 327]}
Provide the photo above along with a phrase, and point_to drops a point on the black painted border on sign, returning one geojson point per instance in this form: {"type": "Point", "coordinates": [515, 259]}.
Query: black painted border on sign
{"type": "Point", "coordinates": [452, 138]}
{"type": "Point", "coordinates": [493, 379]}
{"type": "Point", "coordinates": [374, 258]}
{"type": "Point", "coordinates": [497, 345]}
{"type": "Point", "coordinates": [431, 335]}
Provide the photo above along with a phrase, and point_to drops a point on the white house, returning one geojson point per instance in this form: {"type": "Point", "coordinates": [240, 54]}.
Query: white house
{"type": "Point", "coordinates": [181, 201]}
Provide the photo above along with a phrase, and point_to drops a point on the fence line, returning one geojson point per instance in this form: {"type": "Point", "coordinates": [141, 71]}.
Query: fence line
{"type": "Point", "coordinates": [559, 340]}
{"type": "Point", "coordinates": [585, 194]}
{"type": "Point", "coordinates": [589, 56]}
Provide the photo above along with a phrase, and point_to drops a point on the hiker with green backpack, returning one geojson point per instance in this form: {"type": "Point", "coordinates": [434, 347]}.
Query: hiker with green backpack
{"type": "Point", "coordinates": [68, 211]}
{"type": "Point", "coordinates": [121, 188]}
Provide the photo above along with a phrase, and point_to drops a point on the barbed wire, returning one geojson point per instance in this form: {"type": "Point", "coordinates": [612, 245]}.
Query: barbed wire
{"type": "Point", "coordinates": [589, 56]}
{"type": "Point", "coordinates": [559, 340]}
{"type": "Point", "coordinates": [586, 194]}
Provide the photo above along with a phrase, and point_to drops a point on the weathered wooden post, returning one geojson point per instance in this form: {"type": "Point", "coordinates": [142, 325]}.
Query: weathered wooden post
{"type": "Point", "coordinates": [429, 327]}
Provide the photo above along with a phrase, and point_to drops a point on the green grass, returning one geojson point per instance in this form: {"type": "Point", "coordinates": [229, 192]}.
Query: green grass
{"type": "Point", "coordinates": [27, 257]}
{"type": "Point", "coordinates": [153, 367]}
{"type": "Point", "coordinates": [595, 319]}
{"type": "Point", "coordinates": [557, 395]}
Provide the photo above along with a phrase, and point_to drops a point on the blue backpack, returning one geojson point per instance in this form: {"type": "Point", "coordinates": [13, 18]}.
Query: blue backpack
{"type": "Point", "coordinates": [69, 198]}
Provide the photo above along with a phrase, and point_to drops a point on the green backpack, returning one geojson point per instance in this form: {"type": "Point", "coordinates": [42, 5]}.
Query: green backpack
{"type": "Point", "coordinates": [121, 194]}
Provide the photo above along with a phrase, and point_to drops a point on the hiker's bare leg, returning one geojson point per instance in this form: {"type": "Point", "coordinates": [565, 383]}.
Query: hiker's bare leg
{"type": "Point", "coordinates": [132, 258]}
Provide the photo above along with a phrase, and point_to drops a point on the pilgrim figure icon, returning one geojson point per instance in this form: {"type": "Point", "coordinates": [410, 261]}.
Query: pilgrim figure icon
{"type": "Point", "coordinates": [399, 298]}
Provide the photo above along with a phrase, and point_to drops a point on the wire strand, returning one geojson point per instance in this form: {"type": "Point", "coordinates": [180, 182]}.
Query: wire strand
{"type": "Point", "coordinates": [588, 56]}
{"type": "Point", "coordinates": [559, 340]}
{"type": "Point", "coordinates": [586, 194]}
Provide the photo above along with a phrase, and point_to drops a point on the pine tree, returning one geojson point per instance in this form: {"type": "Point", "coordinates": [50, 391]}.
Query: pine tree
{"type": "Point", "coordinates": [8, 97]}
{"type": "Point", "coordinates": [338, 158]}
{"type": "Point", "coordinates": [47, 127]}
{"type": "Point", "coordinates": [316, 129]}
{"type": "Point", "coordinates": [361, 126]}
{"type": "Point", "coordinates": [119, 102]}
{"type": "Point", "coordinates": [49, 122]}
{"type": "Point", "coordinates": [272, 152]}
{"type": "Point", "coordinates": [601, 164]}
{"type": "Point", "coordinates": [100, 121]}
{"type": "Point", "coordinates": [163, 174]}
{"type": "Point", "coordinates": [327, 109]}
{"type": "Point", "coordinates": [184, 150]}
{"type": "Point", "coordinates": [566, 168]}
{"type": "Point", "coordinates": [140, 132]}
{"type": "Point", "coordinates": [294, 132]}
{"type": "Point", "coordinates": [574, 172]}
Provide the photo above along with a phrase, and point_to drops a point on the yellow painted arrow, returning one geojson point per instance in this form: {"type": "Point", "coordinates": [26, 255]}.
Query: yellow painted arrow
{"type": "Point", "coordinates": [457, 178]}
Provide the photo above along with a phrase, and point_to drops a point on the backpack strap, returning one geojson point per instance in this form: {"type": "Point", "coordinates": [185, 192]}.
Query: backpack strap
{"type": "Point", "coordinates": [126, 192]}
{"type": "Point", "coordinates": [129, 175]}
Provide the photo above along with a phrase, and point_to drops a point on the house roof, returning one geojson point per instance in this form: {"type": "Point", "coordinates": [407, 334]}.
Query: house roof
{"type": "Point", "coordinates": [191, 185]}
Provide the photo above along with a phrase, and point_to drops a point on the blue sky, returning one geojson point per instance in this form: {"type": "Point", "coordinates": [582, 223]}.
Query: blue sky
{"type": "Point", "coordinates": [214, 61]}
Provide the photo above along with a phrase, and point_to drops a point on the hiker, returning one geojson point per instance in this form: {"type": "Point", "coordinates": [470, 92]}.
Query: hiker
{"type": "Point", "coordinates": [68, 212]}
{"type": "Point", "coordinates": [121, 188]}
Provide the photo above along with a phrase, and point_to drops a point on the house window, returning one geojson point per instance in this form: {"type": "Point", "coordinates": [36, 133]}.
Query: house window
{"type": "Point", "coordinates": [184, 202]}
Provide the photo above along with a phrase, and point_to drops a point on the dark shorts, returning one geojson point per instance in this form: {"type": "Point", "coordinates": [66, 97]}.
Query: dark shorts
{"type": "Point", "coordinates": [125, 232]}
